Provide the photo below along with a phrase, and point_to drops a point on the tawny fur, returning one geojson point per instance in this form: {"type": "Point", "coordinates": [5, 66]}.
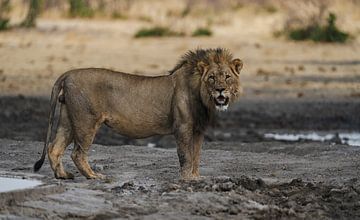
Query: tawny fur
{"type": "Point", "coordinates": [181, 104]}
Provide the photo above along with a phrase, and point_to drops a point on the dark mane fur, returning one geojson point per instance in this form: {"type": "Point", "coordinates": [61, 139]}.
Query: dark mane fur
{"type": "Point", "coordinates": [190, 60]}
{"type": "Point", "coordinates": [202, 115]}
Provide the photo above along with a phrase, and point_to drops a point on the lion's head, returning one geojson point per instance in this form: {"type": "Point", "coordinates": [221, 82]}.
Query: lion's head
{"type": "Point", "coordinates": [216, 73]}
{"type": "Point", "coordinates": [220, 83]}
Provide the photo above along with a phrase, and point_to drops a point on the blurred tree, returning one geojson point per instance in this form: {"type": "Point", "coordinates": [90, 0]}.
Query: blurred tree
{"type": "Point", "coordinates": [4, 8]}
{"type": "Point", "coordinates": [52, 4]}
{"type": "Point", "coordinates": [33, 12]}
{"type": "Point", "coordinates": [80, 8]}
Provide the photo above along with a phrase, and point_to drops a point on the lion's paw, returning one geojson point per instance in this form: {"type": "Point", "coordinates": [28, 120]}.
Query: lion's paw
{"type": "Point", "coordinates": [96, 176]}
{"type": "Point", "coordinates": [64, 175]}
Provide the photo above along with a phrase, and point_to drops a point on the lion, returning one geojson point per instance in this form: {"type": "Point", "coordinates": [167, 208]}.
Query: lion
{"type": "Point", "coordinates": [181, 103]}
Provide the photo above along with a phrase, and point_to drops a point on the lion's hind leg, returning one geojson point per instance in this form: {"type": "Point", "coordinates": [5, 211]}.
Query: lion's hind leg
{"type": "Point", "coordinates": [83, 138]}
{"type": "Point", "coordinates": [63, 137]}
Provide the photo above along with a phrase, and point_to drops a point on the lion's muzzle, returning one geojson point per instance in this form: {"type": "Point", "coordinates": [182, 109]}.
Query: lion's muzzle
{"type": "Point", "coordinates": [221, 100]}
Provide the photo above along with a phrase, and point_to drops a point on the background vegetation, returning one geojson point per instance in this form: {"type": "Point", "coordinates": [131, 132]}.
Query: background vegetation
{"type": "Point", "coordinates": [318, 20]}
{"type": "Point", "coordinates": [328, 33]}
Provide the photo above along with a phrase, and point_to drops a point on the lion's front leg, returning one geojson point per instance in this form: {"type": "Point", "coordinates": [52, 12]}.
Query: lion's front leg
{"type": "Point", "coordinates": [198, 140]}
{"type": "Point", "coordinates": [184, 140]}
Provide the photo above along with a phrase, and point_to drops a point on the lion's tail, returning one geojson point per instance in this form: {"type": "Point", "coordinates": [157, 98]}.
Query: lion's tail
{"type": "Point", "coordinates": [54, 96]}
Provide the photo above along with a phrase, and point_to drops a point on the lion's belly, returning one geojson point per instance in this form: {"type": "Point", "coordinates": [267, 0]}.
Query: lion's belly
{"type": "Point", "coordinates": [133, 106]}
{"type": "Point", "coordinates": [137, 127]}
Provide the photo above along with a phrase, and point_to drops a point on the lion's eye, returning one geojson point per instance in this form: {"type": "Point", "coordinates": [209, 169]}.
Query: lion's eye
{"type": "Point", "coordinates": [211, 78]}
{"type": "Point", "coordinates": [227, 76]}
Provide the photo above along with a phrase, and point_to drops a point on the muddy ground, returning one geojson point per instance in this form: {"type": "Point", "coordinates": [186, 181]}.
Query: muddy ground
{"type": "Point", "coordinates": [26, 118]}
{"type": "Point", "coordinates": [289, 87]}
{"type": "Point", "coordinates": [241, 181]}
{"type": "Point", "coordinates": [245, 175]}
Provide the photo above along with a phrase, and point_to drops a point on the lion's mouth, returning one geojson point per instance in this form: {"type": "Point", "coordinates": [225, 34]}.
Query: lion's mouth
{"type": "Point", "coordinates": [221, 102]}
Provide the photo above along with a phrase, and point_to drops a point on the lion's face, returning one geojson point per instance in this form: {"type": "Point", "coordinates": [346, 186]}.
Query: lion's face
{"type": "Point", "coordinates": [221, 84]}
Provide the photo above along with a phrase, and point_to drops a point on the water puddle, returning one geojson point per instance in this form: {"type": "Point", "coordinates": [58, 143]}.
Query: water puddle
{"type": "Point", "coordinates": [10, 184]}
{"type": "Point", "coordinates": [352, 139]}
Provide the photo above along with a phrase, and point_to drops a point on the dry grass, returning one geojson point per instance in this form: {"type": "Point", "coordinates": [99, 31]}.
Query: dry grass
{"type": "Point", "coordinates": [187, 15]}
{"type": "Point", "coordinates": [306, 13]}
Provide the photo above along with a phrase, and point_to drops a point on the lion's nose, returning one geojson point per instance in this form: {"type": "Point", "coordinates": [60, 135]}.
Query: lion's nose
{"type": "Point", "coordinates": [220, 90]}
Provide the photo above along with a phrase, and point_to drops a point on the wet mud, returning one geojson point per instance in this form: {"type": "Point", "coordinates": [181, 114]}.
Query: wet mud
{"type": "Point", "coordinates": [26, 118]}
{"type": "Point", "coordinates": [244, 175]}
{"type": "Point", "coordinates": [268, 180]}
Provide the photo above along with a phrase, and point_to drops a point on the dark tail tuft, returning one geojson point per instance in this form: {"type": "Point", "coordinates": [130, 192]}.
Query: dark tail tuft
{"type": "Point", "coordinates": [38, 164]}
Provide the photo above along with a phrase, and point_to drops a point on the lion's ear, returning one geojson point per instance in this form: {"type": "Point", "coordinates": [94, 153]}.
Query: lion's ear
{"type": "Point", "coordinates": [237, 65]}
{"type": "Point", "coordinates": [202, 67]}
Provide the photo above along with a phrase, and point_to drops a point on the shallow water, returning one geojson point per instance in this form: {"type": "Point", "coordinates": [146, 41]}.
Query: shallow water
{"type": "Point", "coordinates": [10, 184]}
{"type": "Point", "coordinates": [352, 138]}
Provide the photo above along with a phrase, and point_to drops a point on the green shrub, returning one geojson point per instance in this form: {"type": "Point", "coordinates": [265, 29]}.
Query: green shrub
{"type": "Point", "coordinates": [202, 32]}
{"type": "Point", "coordinates": [5, 8]}
{"type": "Point", "coordinates": [80, 8]}
{"type": "Point", "coordinates": [270, 9]}
{"type": "Point", "coordinates": [4, 24]}
{"type": "Point", "coordinates": [317, 33]}
{"type": "Point", "coordinates": [118, 15]}
{"type": "Point", "coordinates": [157, 31]}
{"type": "Point", "coordinates": [145, 18]}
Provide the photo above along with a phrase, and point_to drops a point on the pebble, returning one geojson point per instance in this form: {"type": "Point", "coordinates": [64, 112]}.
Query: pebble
{"type": "Point", "coordinates": [174, 186]}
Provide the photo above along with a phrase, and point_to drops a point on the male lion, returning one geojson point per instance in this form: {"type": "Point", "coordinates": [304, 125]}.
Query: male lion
{"type": "Point", "coordinates": [181, 103]}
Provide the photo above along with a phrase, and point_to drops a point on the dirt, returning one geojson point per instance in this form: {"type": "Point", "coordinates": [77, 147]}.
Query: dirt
{"type": "Point", "coordinates": [26, 118]}
{"type": "Point", "coordinates": [241, 180]}
{"type": "Point", "coordinates": [289, 87]}
{"type": "Point", "coordinates": [244, 175]}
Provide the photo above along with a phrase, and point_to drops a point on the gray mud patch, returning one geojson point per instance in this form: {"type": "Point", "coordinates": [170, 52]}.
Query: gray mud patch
{"type": "Point", "coordinates": [257, 199]}
{"type": "Point", "coordinates": [269, 180]}
{"type": "Point", "coordinates": [213, 197]}
{"type": "Point", "coordinates": [25, 118]}
{"type": "Point", "coordinates": [245, 175]}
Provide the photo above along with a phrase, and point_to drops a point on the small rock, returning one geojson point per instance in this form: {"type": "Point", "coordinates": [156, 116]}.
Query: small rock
{"type": "Point", "coordinates": [174, 186]}
{"type": "Point", "coordinates": [143, 189]}
{"type": "Point", "coordinates": [338, 192]}
{"type": "Point", "coordinates": [352, 194]}
{"type": "Point", "coordinates": [233, 211]}
{"type": "Point", "coordinates": [98, 167]}
{"type": "Point", "coordinates": [310, 185]}
{"type": "Point", "coordinates": [128, 185]}
{"type": "Point", "coordinates": [296, 182]}
{"type": "Point", "coordinates": [227, 186]}
{"type": "Point", "coordinates": [215, 187]}
{"type": "Point", "coordinates": [207, 188]}
{"type": "Point", "coordinates": [222, 179]}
